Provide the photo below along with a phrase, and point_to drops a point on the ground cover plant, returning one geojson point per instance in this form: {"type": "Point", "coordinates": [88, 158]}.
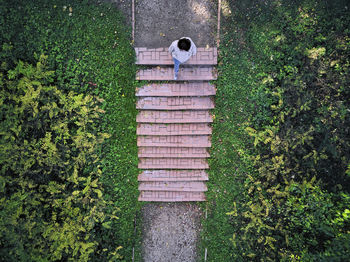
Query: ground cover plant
{"type": "Point", "coordinates": [279, 178]}
{"type": "Point", "coordinates": [68, 151]}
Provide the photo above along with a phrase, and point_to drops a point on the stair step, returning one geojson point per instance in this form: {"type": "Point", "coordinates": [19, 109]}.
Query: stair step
{"type": "Point", "coordinates": [149, 116]}
{"type": "Point", "coordinates": [177, 89]}
{"type": "Point", "coordinates": [175, 103]}
{"type": "Point", "coordinates": [161, 56]}
{"type": "Point", "coordinates": [173, 186]}
{"type": "Point", "coordinates": [185, 73]}
{"type": "Point", "coordinates": [173, 175]}
{"type": "Point", "coordinates": [173, 152]}
{"type": "Point", "coordinates": [166, 196]}
{"type": "Point", "coordinates": [173, 125]}
{"type": "Point", "coordinates": [174, 129]}
{"type": "Point", "coordinates": [174, 141]}
{"type": "Point", "coordinates": [173, 163]}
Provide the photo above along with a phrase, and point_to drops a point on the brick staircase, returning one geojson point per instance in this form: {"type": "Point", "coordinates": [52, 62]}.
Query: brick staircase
{"type": "Point", "coordinates": [174, 125]}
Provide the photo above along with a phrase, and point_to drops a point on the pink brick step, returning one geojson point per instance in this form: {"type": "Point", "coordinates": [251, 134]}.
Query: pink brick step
{"type": "Point", "coordinates": [173, 186]}
{"type": "Point", "coordinates": [173, 163]}
{"type": "Point", "coordinates": [151, 116]}
{"type": "Point", "coordinates": [176, 152]}
{"type": "Point", "coordinates": [173, 175]}
{"type": "Point", "coordinates": [185, 73]}
{"type": "Point", "coordinates": [161, 56]}
{"type": "Point", "coordinates": [174, 129]}
{"type": "Point", "coordinates": [177, 89]}
{"type": "Point", "coordinates": [175, 103]}
{"type": "Point", "coordinates": [166, 196]}
{"type": "Point", "coordinates": [174, 141]}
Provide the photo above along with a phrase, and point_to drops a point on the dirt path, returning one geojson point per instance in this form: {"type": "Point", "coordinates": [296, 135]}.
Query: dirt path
{"type": "Point", "coordinates": [171, 231]}
{"type": "Point", "coordinates": [159, 22]}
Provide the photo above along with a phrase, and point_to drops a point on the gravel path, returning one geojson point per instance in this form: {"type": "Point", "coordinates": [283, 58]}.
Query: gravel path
{"type": "Point", "coordinates": [159, 22]}
{"type": "Point", "coordinates": [170, 232]}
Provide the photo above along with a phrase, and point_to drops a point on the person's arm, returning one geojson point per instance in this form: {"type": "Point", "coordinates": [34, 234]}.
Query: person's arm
{"type": "Point", "coordinates": [171, 47]}
{"type": "Point", "coordinates": [193, 48]}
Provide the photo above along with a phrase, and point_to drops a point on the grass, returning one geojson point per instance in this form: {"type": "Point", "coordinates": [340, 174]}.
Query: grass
{"type": "Point", "coordinates": [230, 145]}
{"type": "Point", "coordinates": [90, 51]}
{"type": "Point", "coordinates": [252, 60]}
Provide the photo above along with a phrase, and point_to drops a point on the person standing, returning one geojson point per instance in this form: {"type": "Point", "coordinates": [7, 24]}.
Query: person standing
{"type": "Point", "coordinates": [181, 50]}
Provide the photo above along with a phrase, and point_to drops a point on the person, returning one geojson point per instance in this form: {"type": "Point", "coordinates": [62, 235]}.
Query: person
{"type": "Point", "coordinates": [181, 50]}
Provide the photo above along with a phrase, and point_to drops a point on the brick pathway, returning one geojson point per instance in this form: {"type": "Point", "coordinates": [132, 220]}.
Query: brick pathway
{"type": "Point", "coordinates": [185, 74]}
{"type": "Point", "coordinates": [174, 129]}
{"type": "Point", "coordinates": [167, 117]}
{"type": "Point", "coordinates": [177, 89]}
{"type": "Point", "coordinates": [174, 125]}
{"type": "Point", "coordinates": [160, 56]}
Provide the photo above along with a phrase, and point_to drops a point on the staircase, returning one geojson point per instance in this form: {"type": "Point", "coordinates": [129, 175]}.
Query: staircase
{"type": "Point", "coordinates": [174, 125]}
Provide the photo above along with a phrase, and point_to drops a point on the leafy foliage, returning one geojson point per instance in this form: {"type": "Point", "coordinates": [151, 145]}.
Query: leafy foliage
{"type": "Point", "coordinates": [296, 62]}
{"type": "Point", "coordinates": [90, 54]}
{"type": "Point", "coordinates": [47, 193]}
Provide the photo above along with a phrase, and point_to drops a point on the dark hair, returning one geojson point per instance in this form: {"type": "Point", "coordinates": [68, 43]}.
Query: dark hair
{"type": "Point", "coordinates": [184, 44]}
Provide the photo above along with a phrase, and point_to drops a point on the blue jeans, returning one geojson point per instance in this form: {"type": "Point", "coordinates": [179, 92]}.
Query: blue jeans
{"type": "Point", "coordinates": [176, 66]}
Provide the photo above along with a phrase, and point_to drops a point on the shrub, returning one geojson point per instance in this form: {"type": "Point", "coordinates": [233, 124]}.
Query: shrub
{"type": "Point", "coordinates": [52, 206]}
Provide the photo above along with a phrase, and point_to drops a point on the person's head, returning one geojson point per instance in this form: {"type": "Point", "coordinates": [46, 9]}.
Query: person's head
{"type": "Point", "coordinates": [184, 44]}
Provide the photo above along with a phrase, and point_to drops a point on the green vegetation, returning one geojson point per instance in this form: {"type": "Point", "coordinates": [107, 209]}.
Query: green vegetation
{"type": "Point", "coordinates": [279, 185]}
{"type": "Point", "coordinates": [68, 182]}
{"type": "Point", "coordinates": [279, 179]}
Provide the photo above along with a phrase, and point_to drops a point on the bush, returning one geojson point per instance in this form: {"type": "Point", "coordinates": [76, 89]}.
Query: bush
{"type": "Point", "coordinates": [52, 206]}
{"type": "Point", "coordinates": [294, 59]}
{"type": "Point", "coordinates": [89, 52]}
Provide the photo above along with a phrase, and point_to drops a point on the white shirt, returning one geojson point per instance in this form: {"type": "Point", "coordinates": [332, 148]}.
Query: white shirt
{"type": "Point", "coordinates": [182, 55]}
